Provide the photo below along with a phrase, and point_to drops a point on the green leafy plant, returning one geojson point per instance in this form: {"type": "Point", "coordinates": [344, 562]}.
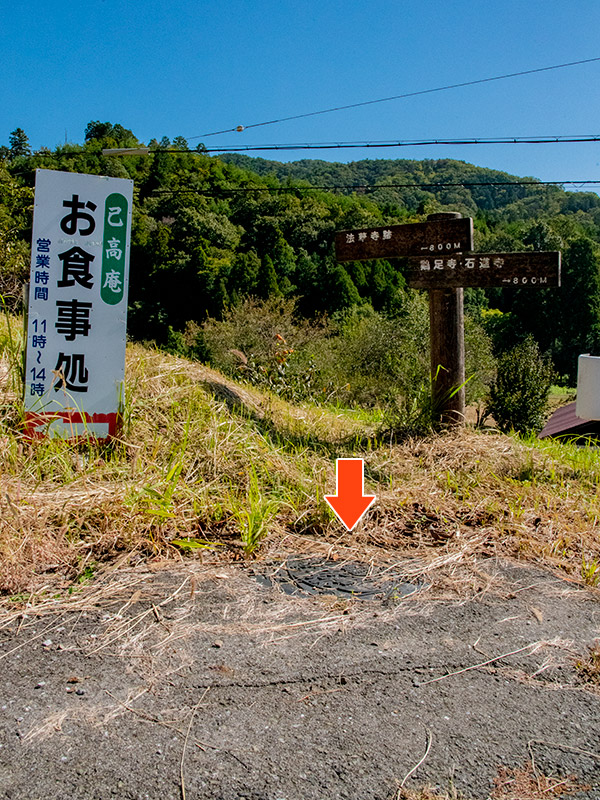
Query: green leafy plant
{"type": "Point", "coordinates": [13, 348]}
{"type": "Point", "coordinates": [417, 415]}
{"type": "Point", "coordinates": [519, 395]}
{"type": "Point", "coordinates": [407, 417]}
{"type": "Point", "coordinates": [160, 498]}
{"type": "Point", "coordinates": [283, 373]}
{"type": "Point", "coordinates": [253, 515]}
{"type": "Point", "coordinates": [87, 573]}
{"type": "Point", "coordinates": [590, 571]}
{"type": "Point", "coordinates": [480, 364]}
{"type": "Point", "coordinates": [192, 543]}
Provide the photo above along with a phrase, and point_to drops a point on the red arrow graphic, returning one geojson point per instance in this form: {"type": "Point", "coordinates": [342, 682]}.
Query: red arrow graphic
{"type": "Point", "coordinates": [349, 503]}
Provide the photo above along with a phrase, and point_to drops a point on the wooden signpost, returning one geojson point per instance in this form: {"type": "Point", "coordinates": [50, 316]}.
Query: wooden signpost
{"type": "Point", "coordinates": [440, 258]}
{"type": "Point", "coordinates": [541, 269]}
{"type": "Point", "coordinates": [443, 236]}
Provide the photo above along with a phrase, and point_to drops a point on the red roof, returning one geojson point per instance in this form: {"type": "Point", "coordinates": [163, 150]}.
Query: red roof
{"type": "Point", "coordinates": [564, 422]}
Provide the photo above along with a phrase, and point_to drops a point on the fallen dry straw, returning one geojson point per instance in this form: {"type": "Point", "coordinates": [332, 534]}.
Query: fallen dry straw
{"type": "Point", "coordinates": [192, 464]}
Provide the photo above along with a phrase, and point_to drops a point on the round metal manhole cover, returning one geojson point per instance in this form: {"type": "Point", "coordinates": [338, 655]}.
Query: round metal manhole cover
{"type": "Point", "coordinates": [348, 579]}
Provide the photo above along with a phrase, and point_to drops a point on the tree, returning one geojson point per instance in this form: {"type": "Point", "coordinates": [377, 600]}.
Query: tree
{"type": "Point", "coordinates": [537, 311]}
{"type": "Point", "coordinates": [337, 288]}
{"type": "Point", "coordinates": [97, 130]}
{"type": "Point", "coordinates": [180, 143]}
{"type": "Point", "coordinates": [108, 133]}
{"type": "Point", "coordinates": [16, 202]}
{"type": "Point", "coordinates": [19, 143]}
{"type": "Point", "coordinates": [243, 275]}
{"type": "Point", "coordinates": [578, 318]}
{"type": "Point", "coordinates": [541, 237]}
{"type": "Point", "coordinates": [266, 281]}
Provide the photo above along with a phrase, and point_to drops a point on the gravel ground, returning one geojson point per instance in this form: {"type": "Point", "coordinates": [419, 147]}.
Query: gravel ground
{"type": "Point", "coordinates": [200, 682]}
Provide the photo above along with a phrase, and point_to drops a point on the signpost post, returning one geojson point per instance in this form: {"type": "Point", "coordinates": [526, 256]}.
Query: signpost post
{"type": "Point", "coordinates": [440, 258]}
{"type": "Point", "coordinates": [77, 304]}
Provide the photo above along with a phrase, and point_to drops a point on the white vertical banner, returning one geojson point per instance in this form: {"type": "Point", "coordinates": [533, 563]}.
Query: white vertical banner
{"type": "Point", "coordinates": [77, 320]}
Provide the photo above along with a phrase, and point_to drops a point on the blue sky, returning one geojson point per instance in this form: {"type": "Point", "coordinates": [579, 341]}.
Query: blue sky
{"type": "Point", "coordinates": [189, 68]}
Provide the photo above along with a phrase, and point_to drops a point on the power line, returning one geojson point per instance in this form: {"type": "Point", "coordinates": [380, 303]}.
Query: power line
{"type": "Point", "coordinates": [571, 137]}
{"type": "Point", "coordinates": [295, 146]}
{"type": "Point", "coordinates": [122, 151]}
{"type": "Point", "coordinates": [399, 143]}
{"type": "Point", "coordinates": [239, 128]}
{"type": "Point", "coordinates": [371, 187]}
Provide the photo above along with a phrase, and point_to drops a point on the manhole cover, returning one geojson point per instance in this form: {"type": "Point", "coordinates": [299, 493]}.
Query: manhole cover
{"type": "Point", "coordinates": [346, 579]}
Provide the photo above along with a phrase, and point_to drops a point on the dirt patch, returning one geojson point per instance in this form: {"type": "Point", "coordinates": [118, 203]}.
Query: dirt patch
{"type": "Point", "coordinates": [198, 682]}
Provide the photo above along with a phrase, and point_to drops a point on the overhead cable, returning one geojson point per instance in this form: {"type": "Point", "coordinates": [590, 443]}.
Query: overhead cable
{"type": "Point", "coordinates": [240, 128]}
{"type": "Point", "coordinates": [399, 143]}
{"type": "Point", "coordinates": [369, 187]}
{"type": "Point", "coordinates": [294, 146]}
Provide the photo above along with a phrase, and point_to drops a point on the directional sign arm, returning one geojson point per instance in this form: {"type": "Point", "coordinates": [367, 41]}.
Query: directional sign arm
{"type": "Point", "coordinates": [533, 269]}
{"type": "Point", "coordinates": [414, 239]}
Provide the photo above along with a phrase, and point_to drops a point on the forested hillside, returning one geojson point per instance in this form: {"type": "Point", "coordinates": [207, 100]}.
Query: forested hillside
{"type": "Point", "coordinates": [209, 232]}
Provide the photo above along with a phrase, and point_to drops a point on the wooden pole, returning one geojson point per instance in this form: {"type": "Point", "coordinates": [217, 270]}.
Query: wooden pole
{"type": "Point", "coordinates": [447, 240]}
{"type": "Point", "coordinates": [447, 331]}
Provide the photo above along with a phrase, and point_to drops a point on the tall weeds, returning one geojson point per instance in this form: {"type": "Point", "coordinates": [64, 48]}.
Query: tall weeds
{"type": "Point", "coordinates": [253, 513]}
{"type": "Point", "coordinates": [12, 347]}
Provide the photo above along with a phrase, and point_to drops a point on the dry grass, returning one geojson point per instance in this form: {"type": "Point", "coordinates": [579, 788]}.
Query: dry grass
{"type": "Point", "coordinates": [528, 783]}
{"type": "Point", "coordinates": [588, 667]}
{"type": "Point", "coordinates": [196, 448]}
{"type": "Point", "coordinates": [519, 783]}
{"type": "Point", "coordinates": [427, 793]}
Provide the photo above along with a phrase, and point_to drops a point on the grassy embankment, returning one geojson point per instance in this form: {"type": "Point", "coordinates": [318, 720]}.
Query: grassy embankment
{"type": "Point", "coordinates": [216, 469]}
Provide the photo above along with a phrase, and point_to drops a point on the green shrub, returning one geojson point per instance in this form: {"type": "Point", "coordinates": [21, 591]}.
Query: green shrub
{"type": "Point", "coordinates": [519, 395]}
{"type": "Point", "coordinates": [409, 417]}
{"type": "Point", "coordinates": [480, 364]}
{"type": "Point", "coordinates": [12, 346]}
{"type": "Point", "coordinates": [261, 342]}
{"type": "Point", "coordinates": [382, 357]}
{"type": "Point", "coordinates": [252, 327]}
{"type": "Point", "coordinates": [360, 357]}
